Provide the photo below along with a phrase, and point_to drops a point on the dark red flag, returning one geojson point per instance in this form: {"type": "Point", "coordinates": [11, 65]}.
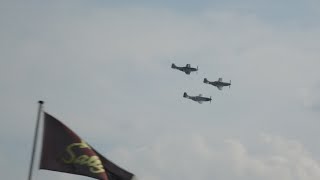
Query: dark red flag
{"type": "Point", "coordinates": [64, 151]}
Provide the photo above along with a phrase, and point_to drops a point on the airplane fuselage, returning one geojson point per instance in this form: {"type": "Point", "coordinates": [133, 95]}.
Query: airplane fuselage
{"type": "Point", "coordinates": [187, 70]}
{"type": "Point", "coordinates": [218, 83]}
{"type": "Point", "coordinates": [199, 98]}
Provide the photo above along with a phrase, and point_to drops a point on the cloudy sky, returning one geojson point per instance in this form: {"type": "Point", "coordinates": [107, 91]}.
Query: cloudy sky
{"type": "Point", "coordinates": [103, 68]}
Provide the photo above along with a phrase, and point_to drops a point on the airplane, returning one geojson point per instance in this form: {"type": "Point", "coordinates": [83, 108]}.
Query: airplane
{"type": "Point", "coordinates": [219, 84]}
{"type": "Point", "coordinates": [187, 69]}
{"type": "Point", "coordinates": [198, 98]}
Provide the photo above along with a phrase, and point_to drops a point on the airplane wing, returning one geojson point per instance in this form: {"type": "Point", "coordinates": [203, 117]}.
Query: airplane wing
{"type": "Point", "coordinates": [187, 72]}
{"type": "Point", "coordinates": [220, 79]}
{"type": "Point", "coordinates": [220, 87]}
{"type": "Point", "coordinates": [200, 102]}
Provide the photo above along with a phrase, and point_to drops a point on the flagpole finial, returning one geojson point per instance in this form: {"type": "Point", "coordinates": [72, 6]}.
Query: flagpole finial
{"type": "Point", "coordinates": [40, 102]}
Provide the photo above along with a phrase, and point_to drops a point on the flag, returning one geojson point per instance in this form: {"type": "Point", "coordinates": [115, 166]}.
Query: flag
{"type": "Point", "coordinates": [65, 151]}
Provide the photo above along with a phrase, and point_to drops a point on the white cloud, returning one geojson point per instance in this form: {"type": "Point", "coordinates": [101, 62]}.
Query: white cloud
{"type": "Point", "coordinates": [191, 156]}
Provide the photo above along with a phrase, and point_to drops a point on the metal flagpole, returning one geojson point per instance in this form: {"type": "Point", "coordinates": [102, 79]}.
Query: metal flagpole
{"type": "Point", "coordinates": [35, 139]}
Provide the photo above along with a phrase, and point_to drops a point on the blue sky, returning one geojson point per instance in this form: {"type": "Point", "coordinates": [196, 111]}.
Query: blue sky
{"type": "Point", "coordinates": [103, 68]}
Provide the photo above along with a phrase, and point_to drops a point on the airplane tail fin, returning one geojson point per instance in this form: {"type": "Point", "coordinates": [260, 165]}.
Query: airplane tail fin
{"type": "Point", "coordinates": [210, 99]}
{"type": "Point", "coordinates": [185, 95]}
{"type": "Point", "coordinates": [173, 66]}
{"type": "Point", "coordinates": [230, 84]}
{"type": "Point", "coordinates": [205, 80]}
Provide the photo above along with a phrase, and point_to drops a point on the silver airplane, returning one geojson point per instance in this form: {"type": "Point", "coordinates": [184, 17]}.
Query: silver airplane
{"type": "Point", "coordinates": [198, 98]}
{"type": "Point", "coordinates": [187, 69]}
{"type": "Point", "coordinates": [219, 84]}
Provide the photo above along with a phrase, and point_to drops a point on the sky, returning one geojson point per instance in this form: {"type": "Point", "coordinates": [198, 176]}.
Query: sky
{"type": "Point", "coordinates": [103, 68]}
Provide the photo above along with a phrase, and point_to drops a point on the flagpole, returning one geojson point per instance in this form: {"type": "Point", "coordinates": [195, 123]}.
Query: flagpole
{"type": "Point", "coordinates": [35, 139]}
